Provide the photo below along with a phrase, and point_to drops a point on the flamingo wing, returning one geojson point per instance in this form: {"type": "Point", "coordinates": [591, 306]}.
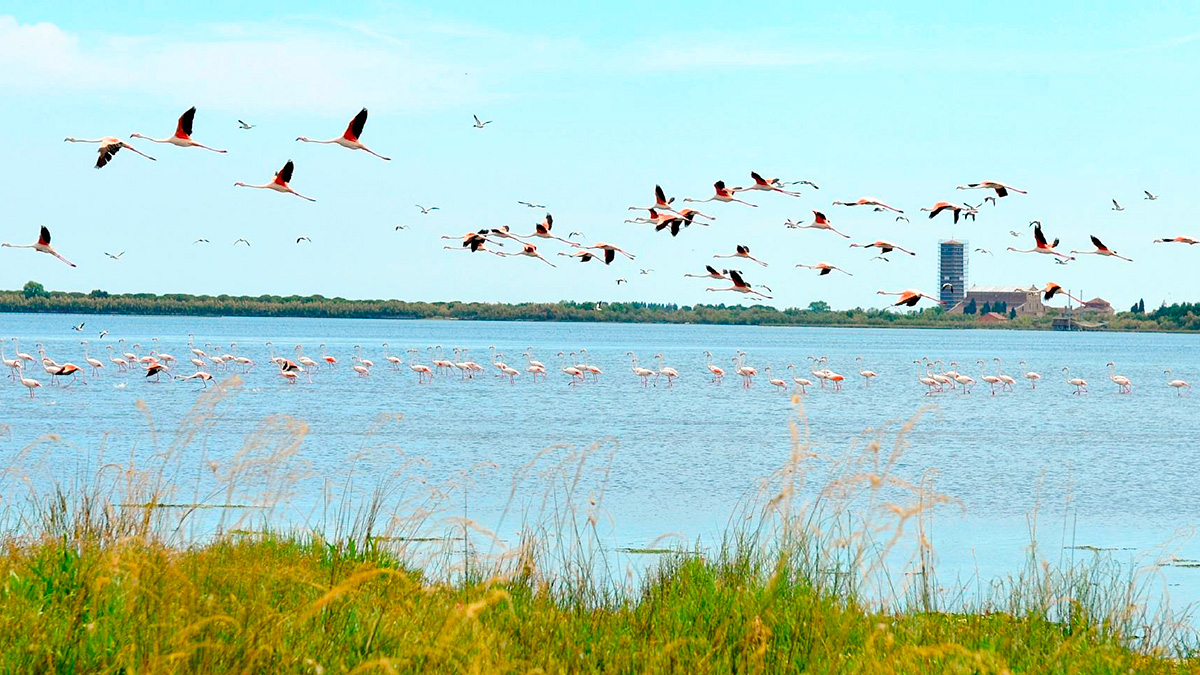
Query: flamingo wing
{"type": "Point", "coordinates": [107, 152]}
{"type": "Point", "coordinates": [184, 128]}
{"type": "Point", "coordinates": [757, 178]}
{"type": "Point", "coordinates": [285, 174]}
{"type": "Point", "coordinates": [719, 185]}
{"type": "Point", "coordinates": [736, 278]}
{"type": "Point", "coordinates": [1038, 236]}
{"type": "Point", "coordinates": [44, 236]}
{"type": "Point", "coordinates": [1099, 244]}
{"type": "Point", "coordinates": [659, 195]}
{"type": "Point", "coordinates": [355, 129]}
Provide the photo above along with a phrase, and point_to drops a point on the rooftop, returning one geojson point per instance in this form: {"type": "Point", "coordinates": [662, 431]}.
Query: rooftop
{"type": "Point", "coordinates": [1003, 289]}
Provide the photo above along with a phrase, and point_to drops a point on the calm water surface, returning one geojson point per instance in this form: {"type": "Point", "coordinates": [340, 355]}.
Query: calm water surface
{"type": "Point", "coordinates": [1125, 466]}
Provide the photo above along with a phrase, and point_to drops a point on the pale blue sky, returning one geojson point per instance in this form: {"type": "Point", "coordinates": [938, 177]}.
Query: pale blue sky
{"type": "Point", "coordinates": [1078, 103]}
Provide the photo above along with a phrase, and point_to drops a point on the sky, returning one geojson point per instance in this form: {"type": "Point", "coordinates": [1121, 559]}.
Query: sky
{"type": "Point", "coordinates": [1078, 103]}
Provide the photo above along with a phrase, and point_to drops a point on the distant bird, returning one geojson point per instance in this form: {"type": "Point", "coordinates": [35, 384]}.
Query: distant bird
{"type": "Point", "coordinates": [984, 250]}
{"type": "Point", "coordinates": [989, 198]}
{"type": "Point", "coordinates": [1001, 189]}
{"type": "Point", "coordinates": [1149, 196]}
{"type": "Point", "coordinates": [947, 286]}
{"type": "Point", "coordinates": [200, 241]}
{"type": "Point", "coordinates": [722, 194]}
{"type": "Point", "coordinates": [904, 218]}
{"type": "Point", "coordinates": [767, 185]}
{"type": "Point", "coordinates": [183, 133]}
{"type": "Point", "coordinates": [575, 234]}
{"type": "Point", "coordinates": [109, 145]}
{"type": "Point", "coordinates": [712, 274]}
{"type": "Point", "coordinates": [644, 271]}
{"type": "Point", "coordinates": [741, 251]}
{"type": "Point", "coordinates": [279, 183]}
{"type": "Point", "coordinates": [1101, 249]}
{"type": "Point", "coordinates": [1014, 233]}
{"type": "Point", "coordinates": [116, 256]}
{"type": "Point", "coordinates": [241, 241]}
{"type": "Point", "coordinates": [1116, 206]}
{"type": "Point", "coordinates": [869, 201]}
{"type": "Point", "coordinates": [300, 239]}
{"type": "Point", "coordinates": [823, 268]}
{"type": "Point", "coordinates": [103, 333]}
{"type": "Point", "coordinates": [532, 205]}
{"type": "Point", "coordinates": [244, 125]}
{"type": "Point", "coordinates": [79, 328]}
{"type": "Point", "coordinates": [349, 138]}
{"type": "Point", "coordinates": [622, 280]}
{"type": "Point", "coordinates": [1177, 240]}
{"type": "Point", "coordinates": [908, 297]}
{"type": "Point", "coordinates": [820, 222]}
{"type": "Point", "coordinates": [479, 125]}
{"type": "Point", "coordinates": [1060, 261]}
{"type": "Point", "coordinates": [1042, 246]}
{"type": "Point", "coordinates": [884, 246]}
{"type": "Point", "coordinates": [956, 209]}
{"type": "Point", "coordinates": [740, 286]}
{"type": "Point", "coordinates": [401, 227]}
{"type": "Point", "coordinates": [42, 245]}
{"type": "Point", "coordinates": [425, 210]}
{"type": "Point", "coordinates": [879, 257]}
{"type": "Point", "coordinates": [799, 182]}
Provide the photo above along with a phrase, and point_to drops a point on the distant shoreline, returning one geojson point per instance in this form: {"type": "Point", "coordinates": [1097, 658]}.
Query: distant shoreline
{"type": "Point", "coordinates": [35, 299]}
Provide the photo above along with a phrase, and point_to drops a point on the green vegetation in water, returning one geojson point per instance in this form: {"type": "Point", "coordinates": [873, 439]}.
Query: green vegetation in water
{"type": "Point", "coordinates": [797, 585]}
{"type": "Point", "coordinates": [35, 298]}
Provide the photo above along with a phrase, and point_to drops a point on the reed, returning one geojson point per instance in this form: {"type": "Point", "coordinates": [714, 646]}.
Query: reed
{"type": "Point", "coordinates": [184, 563]}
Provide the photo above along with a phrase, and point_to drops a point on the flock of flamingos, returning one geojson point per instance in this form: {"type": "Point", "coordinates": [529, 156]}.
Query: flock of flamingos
{"type": "Point", "coordinates": [662, 214]}
{"type": "Point", "coordinates": [574, 365]}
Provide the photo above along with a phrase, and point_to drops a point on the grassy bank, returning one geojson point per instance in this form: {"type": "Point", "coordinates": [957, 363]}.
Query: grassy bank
{"type": "Point", "coordinates": [136, 568]}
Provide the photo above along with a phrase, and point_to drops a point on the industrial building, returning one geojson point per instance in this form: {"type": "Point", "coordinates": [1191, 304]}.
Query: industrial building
{"type": "Point", "coordinates": [952, 270]}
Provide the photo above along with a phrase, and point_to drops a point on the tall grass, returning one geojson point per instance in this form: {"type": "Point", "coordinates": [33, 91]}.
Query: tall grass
{"type": "Point", "coordinates": [181, 562]}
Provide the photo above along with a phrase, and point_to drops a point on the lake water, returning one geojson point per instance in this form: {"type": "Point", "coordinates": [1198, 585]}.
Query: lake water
{"type": "Point", "coordinates": [1120, 469]}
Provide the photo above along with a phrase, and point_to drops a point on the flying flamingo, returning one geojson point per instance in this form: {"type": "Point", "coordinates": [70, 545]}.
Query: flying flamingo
{"type": "Point", "coordinates": [349, 139]}
{"type": "Point", "coordinates": [1124, 385]}
{"type": "Point", "coordinates": [183, 133]}
{"type": "Point", "coordinates": [742, 251]}
{"type": "Point", "coordinates": [530, 251]}
{"type": "Point", "coordinates": [1053, 289]}
{"type": "Point", "coordinates": [543, 229]}
{"type": "Point", "coordinates": [866, 374]}
{"type": "Point", "coordinates": [641, 372]}
{"type": "Point", "coordinates": [666, 371]}
{"type": "Point", "coordinates": [42, 245]}
{"type": "Point", "coordinates": [766, 184]}
{"type": "Point", "coordinates": [712, 274]}
{"type": "Point", "coordinates": [1031, 376]}
{"type": "Point", "coordinates": [1042, 246]}
{"type": "Point", "coordinates": [824, 268]}
{"type": "Point", "coordinates": [1179, 385]}
{"type": "Point", "coordinates": [473, 241]}
{"type": "Point", "coordinates": [661, 203]}
{"type": "Point", "coordinates": [956, 209]}
{"type": "Point", "coordinates": [723, 194]}
{"type": "Point", "coordinates": [718, 373]}
{"type": "Point", "coordinates": [801, 382]}
{"type": "Point", "coordinates": [279, 183]}
{"type": "Point", "coordinates": [775, 381]}
{"type": "Point", "coordinates": [884, 247]}
{"type": "Point", "coordinates": [908, 297]}
{"type": "Point", "coordinates": [1177, 240]}
{"type": "Point", "coordinates": [1102, 250]}
{"type": "Point", "coordinates": [610, 251]}
{"type": "Point", "coordinates": [109, 146]}
{"type": "Point", "coordinates": [740, 286]}
{"type": "Point", "coordinates": [820, 222]}
{"type": "Point", "coordinates": [870, 201]}
{"type": "Point", "coordinates": [1001, 189]}
{"type": "Point", "coordinates": [1079, 383]}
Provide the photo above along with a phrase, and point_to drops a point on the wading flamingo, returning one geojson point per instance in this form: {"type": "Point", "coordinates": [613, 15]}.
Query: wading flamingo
{"type": "Point", "coordinates": [641, 372]}
{"type": "Point", "coordinates": [30, 384]}
{"type": "Point", "coordinates": [1124, 385]}
{"type": "Point", "coordinates": [992, 380]}
{"type": "Point", "coordinates": [747, 372]}
{"type": "Point", "coordinates": [666, 371]}
{"type": "Point", "coordinates": [1080, 384]}
{"type": "Point", "coordinates": [801, 382]}
{"type": "Point", "coordinates": [865, 373]}
{"type": "Point", "coordinates": [204, 377]}
{"type": "Point", "coordinates": [775, 381]}
{"type": "Point", "coordinates": [95, 364]}
{"type": "Point", "coordinates": [1031, 376]}
{"type": "Point", "coordinates": [1179, 385]}
{"type": "Point", "coordinates": [718, 373]}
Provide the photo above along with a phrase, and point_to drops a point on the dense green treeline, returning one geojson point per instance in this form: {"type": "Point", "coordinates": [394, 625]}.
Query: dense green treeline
{"type": "Point", "coordinates": [35, 298]}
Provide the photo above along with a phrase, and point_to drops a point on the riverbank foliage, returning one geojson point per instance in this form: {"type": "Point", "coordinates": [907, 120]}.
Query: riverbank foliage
{"type": "Point", "coordinates": [146, 566]}
{"type": "Point", "coordinates": [35, 298]}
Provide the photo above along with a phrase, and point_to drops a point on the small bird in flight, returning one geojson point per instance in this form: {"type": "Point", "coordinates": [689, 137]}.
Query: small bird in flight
{"type": "Point", "coordinates": [1014, 233]}
{"type": "Point", "coordinates": [200, 241]}
{"type": "Point", "coordinates": [1149, 196]}
{"type": "Point", "coordinates": [879, 257]}
{"type": "Point", "coordinates": [1116, 206]}
{"type": "Point", "coordinates": [79, 328]}
{"type": "Point", "coordinates": [401, 227]}
{"type": "Point", "coordinates": [1060, 261]}
{"type": "Point", "coordinates": [644, 271]}
{"type": "Point", "coordinates": [103, 333]}
{"type": "Point", "coordinates": [576, 234]}
{"type": "Point", "coordinates": [983, 250]}
{"type": "Point", "coordinates": [947, 286]}
{"type": "Point", "coordinates": [531, 205]}
{"type": "Point", "coordinates": [480, 124]}
{"type": "Point", "coordinates": [241, 241]}
{"type": "Point", "coordinates": [622, 280]}
{"type": "Point", "coordinates": [904, 218]}
{"type": "Point", "coordinates": [425, 211]}
{"type": "Point", "coordinates": [116, 256]}
{"type": "Point", "coordinates": [298, 240]}
{"type": "Point", "coordinates": [244, 125]}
